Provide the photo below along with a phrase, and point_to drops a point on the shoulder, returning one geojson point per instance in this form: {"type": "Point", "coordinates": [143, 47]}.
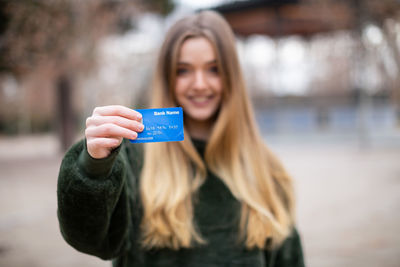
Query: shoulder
{"type": "Point", "coordinates": [291, 252]}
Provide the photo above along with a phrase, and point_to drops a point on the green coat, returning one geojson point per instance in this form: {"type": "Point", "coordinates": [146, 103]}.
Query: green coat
{"type": "Point", "coordinates": [99, 212]}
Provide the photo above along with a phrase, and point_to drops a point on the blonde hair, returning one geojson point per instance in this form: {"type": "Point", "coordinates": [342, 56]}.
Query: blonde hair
{"type": "Point", "coordinates": [235, 152]}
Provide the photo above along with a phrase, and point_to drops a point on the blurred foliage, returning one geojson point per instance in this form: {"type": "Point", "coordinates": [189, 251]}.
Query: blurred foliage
{"type": "Point", "coordinates": [64, 31]}
{"type": "Point", "coordinates": [58, 31]}
{"type": "Point", "coordinates": [163, 7]}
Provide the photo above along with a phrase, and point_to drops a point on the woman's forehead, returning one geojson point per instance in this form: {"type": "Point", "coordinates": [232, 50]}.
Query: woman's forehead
{"type": "Point", "coordinates": [197, 48]}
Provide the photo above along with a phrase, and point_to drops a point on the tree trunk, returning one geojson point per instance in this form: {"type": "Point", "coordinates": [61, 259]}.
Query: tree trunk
{"type": "Point", "coordinates": [66, 122]}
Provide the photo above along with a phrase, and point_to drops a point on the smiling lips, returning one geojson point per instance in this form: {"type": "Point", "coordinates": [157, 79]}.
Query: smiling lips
{"type": "Point", "coordinates": [200, 101]}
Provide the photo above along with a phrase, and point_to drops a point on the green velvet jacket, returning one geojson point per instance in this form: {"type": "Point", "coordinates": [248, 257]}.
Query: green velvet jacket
{"type": "Point", "coordinates": [99, 212]}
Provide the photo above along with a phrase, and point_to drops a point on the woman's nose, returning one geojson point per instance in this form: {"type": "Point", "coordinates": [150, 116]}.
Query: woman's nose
{"type": "Point", "coordinates": [200, 81]}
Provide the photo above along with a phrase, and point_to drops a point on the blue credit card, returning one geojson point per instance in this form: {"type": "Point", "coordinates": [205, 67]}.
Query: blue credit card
{"type": "Point", "coordinates": [161, 125]}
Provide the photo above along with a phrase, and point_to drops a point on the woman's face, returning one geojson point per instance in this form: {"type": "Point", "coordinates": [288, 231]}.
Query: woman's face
{"type": "Point", "coordinates": [198, 88]}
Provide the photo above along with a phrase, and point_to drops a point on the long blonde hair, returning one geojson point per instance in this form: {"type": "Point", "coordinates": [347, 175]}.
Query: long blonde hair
{"type": "Point", "coordinates": [235, 152]}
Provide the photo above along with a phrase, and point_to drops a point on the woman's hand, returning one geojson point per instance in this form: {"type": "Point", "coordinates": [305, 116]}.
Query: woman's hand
{"type": "Point", "coordinates": [107, 127]}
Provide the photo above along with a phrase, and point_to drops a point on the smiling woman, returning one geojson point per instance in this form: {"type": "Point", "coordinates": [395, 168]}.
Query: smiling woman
{"type": "Point", "coordinates": [219, 198]}
{"type": "Point", "coordinates": [198, 86]}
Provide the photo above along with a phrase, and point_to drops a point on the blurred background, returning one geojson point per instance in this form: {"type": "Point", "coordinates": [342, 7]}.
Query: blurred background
{"type": "Point", "coordinates": [323, 75]}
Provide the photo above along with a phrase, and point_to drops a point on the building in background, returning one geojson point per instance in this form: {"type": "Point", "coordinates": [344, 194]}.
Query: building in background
{"type": "Point", "coordinates": [312, 66]}
{"type": "Point", "coordinates": [316, 65]}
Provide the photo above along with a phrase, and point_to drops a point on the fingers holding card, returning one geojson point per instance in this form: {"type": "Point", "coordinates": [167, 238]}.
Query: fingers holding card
{"type": "Point", "coordinates": [107, 126]}
{"type": "Point", "coordinates": [161, 125]}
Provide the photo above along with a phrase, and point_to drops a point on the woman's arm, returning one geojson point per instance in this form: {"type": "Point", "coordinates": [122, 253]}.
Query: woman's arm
{"type": "Point", "coordinates": [93, 203]}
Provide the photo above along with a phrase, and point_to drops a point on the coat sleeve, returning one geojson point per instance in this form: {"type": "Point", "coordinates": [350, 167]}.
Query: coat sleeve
{"type": "Point", "coordinates": [93, 202]}
{"type": "Point", "coordinates": [289, 254]}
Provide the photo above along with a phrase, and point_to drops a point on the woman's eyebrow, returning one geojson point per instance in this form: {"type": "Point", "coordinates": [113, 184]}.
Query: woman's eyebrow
{"type": "Point", "coordinates": [214, 61]}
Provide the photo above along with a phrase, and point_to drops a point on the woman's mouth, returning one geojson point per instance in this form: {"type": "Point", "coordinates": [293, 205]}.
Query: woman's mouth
{"type": "Point", "coordinates": [200, 100]}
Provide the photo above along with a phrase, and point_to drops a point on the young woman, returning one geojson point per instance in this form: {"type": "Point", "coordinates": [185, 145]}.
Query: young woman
{"type": "Point", "coordinates": [218, 198]}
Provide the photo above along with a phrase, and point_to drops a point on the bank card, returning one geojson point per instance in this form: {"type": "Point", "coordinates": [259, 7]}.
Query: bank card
{"type": "Point", "coordinates": [161, 125]}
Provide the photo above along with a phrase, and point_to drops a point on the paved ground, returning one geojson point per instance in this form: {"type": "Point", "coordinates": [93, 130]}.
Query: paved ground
{"type": "Point", "coordinates": [348, 204]}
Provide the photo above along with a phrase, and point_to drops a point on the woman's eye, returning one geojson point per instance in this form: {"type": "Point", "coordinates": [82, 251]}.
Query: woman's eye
{"type": "Point", "coordinates": [181, 71]}
{"type": "Point", "coordinates": [214, 69]}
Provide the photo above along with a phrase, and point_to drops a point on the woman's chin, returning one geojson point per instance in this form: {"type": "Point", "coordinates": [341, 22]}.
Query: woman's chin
{"type": "Point", "coordinates": [200, 116]}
